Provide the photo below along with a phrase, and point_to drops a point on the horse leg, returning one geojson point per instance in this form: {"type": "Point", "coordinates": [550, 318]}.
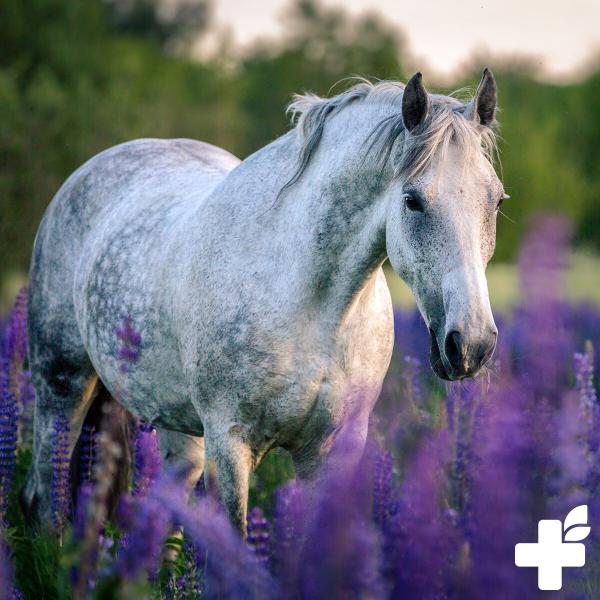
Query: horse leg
{"type": "Point", "coordinates": [233, 462]}
{"type": "Point", "coordinates": [64, 381]}
{"type": "Point", "coordinates": [185, 453]}
{"type": "Point", "coordinates": [341, 448]}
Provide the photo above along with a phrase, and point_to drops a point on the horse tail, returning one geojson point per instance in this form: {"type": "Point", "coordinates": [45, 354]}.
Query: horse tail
{"type": "Point", "coordinates": [105, 415]}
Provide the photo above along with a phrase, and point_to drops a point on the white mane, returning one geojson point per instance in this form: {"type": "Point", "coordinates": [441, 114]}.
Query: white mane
{"type": "Point", "coordinates": [447, 121]}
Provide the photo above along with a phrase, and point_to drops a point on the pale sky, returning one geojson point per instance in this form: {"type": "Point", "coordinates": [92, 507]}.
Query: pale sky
{"type": "Point", "coordinates": [561, 35]}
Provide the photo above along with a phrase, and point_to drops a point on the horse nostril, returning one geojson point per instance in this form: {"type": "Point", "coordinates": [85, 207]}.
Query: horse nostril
{"type": "Point", "coordinates": [454, 351]}
{"type": "Point", "coordinates": [487, 349]}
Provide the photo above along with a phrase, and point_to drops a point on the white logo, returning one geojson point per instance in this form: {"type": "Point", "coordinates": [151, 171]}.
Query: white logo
{"type": "Point", "coordinates": [553, 550]}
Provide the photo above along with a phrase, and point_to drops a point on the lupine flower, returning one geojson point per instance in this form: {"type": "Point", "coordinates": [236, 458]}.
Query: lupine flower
{"type": "Point", "coordinates": [8, 436]}
{"type": "Point", "coordinates": [109, 452]}
{"type": "Point", "coordinates": [258, 535]}
{"type": "Point", "coordinates": [589, 412]}
{"type": "Point", "coordinates": [511, 448]}
{"type": "Point", "coordinates": [82, 506]}
{"type": "Point", "coordinates": [464, 495]}
{"type": "Point", "coordinates": [463, 398]}
{"type": "Point", "coordinates": [410, 373]}
{"type": "Point", "coordinates": [131, 341]}
{"type": "Point", "coordinates": [584, 382]}
{"type": "Point", "coordinates": [84, 496]}
{"type": "Point", "coordinates": [420, 541]}
{"type": "Point", "coordinates": [16, 334]}
{"type": "Point", "coordinates": [26, 390]}
{"type": "Point", "coordinates": [583, 320]}
{"type": "Point", "coordinates": [291, 506]}
{"type": "Point", "coordinates": [147, 459]}
{"type": "Point", "coordinates": [228, 568]}
{"type": "Point", "coordinates": [382, 487]}
{"type": "Point", "coordinates": [6, 571]}
{"type": "Point", "coordinates": [87, 453]}
{"type": "Point", "coordinates": [142, 548]}
{"type": "Point", "coordinates": [61, 491]}
{"type": "Point", "coordinates": [340, 555]}
{"type": "Point", "coordinates": [570, 485]}
{"type": "Point", "coordinates": [8, 590]}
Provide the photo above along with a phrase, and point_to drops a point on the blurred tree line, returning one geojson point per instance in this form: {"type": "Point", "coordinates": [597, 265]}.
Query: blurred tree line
{"type": "Point", "coordinates": [78, 77]}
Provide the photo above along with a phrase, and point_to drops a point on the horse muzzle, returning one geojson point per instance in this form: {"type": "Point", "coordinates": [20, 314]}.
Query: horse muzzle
{"type": "Point", "coordinates": [461, 357]}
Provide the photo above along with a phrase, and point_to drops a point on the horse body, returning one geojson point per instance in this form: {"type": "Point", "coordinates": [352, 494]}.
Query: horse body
{"type": "Point", "coordinates": [264, 316]}
{"type": "Point", "coordinates": [242, 345]}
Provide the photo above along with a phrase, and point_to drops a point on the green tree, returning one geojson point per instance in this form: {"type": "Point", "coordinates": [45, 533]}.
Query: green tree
{"type": "Point", "coordinates": [322, 46]}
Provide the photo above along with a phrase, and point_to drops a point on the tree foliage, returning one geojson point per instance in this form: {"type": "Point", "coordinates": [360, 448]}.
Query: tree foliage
{"type": "Point", "coordinates": [78, 77]}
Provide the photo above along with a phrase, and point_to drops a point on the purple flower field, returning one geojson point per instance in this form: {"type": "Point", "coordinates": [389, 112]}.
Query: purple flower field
{"type": "Point", "coordinates": [452, 477]}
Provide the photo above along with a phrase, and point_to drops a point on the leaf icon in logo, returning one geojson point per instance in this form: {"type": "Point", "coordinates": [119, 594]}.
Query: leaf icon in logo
{"type": "Point", "coordinates": [575, 526]}
{"type": "Point", "coordinates": [577, 533]}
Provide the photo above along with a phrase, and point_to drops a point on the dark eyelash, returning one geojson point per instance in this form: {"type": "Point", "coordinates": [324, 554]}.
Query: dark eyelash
{"type": "Point", "coordinates": [504, 197]}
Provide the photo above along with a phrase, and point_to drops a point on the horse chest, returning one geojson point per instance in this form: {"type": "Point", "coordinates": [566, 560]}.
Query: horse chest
{"type": "Point", "coordinates": [284, 376]}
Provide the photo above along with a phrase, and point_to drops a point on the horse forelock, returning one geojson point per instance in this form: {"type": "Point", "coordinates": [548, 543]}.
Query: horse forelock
{"type": "Point", "coordinates": [446, 122]}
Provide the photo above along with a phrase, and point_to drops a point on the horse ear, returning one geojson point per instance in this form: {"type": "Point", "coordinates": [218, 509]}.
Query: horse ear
{"type": "Point", "coordinates": [415, 102]}
{"type": "Point", "coordinates": [483, 106]}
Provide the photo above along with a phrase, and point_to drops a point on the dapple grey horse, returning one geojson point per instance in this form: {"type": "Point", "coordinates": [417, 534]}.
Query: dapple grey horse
{"type": "Point", "coordinates": [257, 286]}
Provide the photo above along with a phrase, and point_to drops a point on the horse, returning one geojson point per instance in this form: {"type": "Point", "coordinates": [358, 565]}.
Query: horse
{"type": "Point", "coordinates": [256, 287]}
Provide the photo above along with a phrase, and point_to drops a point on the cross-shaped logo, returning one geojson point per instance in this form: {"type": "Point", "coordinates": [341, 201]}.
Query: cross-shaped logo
{"type": "Point", "coordinates": [553, 550]}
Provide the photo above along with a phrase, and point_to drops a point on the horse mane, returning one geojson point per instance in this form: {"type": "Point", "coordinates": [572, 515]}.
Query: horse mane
{"type": "Point", "coordinates": [447, 121]}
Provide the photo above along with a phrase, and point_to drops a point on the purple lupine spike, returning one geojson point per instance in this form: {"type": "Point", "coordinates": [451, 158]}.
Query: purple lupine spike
{"type": "Point", "coordinates": [291, 507]}
{"type": "Point", "coordinates": [186, 582]}
{"type": "Point", "coordinates": [410, 375]}
{"type": "Point", "coordinates": [512, 446]}
{"type": "Point", "coordinates": [382, 488]}
{"type": "Point", "coordinates": [583, 364]}
{"type": "Point", "coordinates": [84, 496]}
{"type": "Point", "coordinates": [180, 586]}
{"type": "Point", "coordinates": [228, 568]}
{"type": "Point", "coordinates": [8, 436]}
{"type": "Point", "coordinates": [258, 535]}
{"type": "Point", "coordinates": [141, 550]}
{"type": "Point", "coordinates": [584, 383]}
{"type": "Point", "coordinates": [131, 342]}
{"type": "Point", "coordinates": [16, 334]}
{"type": "Point", "coordinates": [191, 580]}
{"type": "Point", "coordinates": [8, 590]}
{"type": "Point", "coordinates": [61, 492]}
{"type": "Point", "coordinates": [147, 459]}
{"type": "Point", "coordinates": [570, 483]}
{"type": "Point", "coordinates": [465, 400]}
{"type": "Point", "coordinates": [341, 553]}
{"type": "Point", "coordinates": [26, 389]}
{"type": "Point", "coordinates": [419, 541]}
{"type": "Point", "coordinates": [87, 454]}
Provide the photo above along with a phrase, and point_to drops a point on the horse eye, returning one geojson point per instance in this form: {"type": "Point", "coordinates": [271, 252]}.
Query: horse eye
{"type": "Point", "coordinates": [412, 203]}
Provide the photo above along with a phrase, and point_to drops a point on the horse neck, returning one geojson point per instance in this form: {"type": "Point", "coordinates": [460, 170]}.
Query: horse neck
{"type": "Point", "coordinates": [348, 245]}
{"type": "Point", "coordinates": [328, 228]}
